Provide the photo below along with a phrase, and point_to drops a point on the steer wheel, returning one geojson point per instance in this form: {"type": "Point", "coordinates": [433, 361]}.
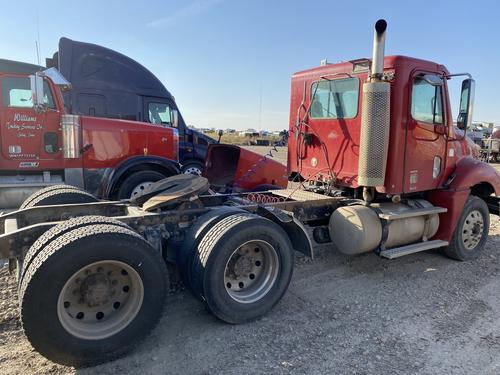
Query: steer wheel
{"type": "Point", "coordinates": [471, 231]}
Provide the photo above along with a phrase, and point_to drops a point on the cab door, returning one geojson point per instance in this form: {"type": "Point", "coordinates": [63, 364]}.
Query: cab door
{"type": "Point", "coordinates": [426, 133]}
{"type": "Point", "coordinates": [26, 135]}
{"type": "Point", "coordinates": [159, 111]}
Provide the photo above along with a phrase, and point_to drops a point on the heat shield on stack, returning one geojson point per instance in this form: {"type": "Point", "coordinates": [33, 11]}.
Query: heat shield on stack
{"type": "Point", "coordinates": [374, 138]}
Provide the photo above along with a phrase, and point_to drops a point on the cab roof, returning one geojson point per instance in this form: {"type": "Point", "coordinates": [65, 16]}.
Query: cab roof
{"type": "Point", "coordinates": [18, 67]}
{"type": "Point", "coordinates": [390, 62]}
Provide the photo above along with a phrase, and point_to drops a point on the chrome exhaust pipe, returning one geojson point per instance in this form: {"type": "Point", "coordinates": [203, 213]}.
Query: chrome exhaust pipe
{"type": "Point", "coordinates": [375, 121]}
{"type": "Point", "coordinates": [378, 49]}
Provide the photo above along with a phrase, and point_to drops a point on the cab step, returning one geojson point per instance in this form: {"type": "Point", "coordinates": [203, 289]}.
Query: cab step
{"type": "Point", "coordinates": [411, 213]}
{"type": "Point", "coordinates": [397, 252]}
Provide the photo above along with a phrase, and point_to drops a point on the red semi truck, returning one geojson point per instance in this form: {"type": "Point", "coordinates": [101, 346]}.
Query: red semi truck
{"type": "Point", "coordinates": [43, 145]}
{"type": "Point", "coordinates": [378, 167]}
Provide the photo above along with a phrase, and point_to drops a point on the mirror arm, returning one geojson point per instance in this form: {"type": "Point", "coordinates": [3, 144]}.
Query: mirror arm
{"type": "Point", "coordinates": [458, 75]}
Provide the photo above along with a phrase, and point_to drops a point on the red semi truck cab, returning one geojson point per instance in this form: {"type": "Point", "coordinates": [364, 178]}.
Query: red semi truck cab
{"type": "Point", "coordinates": [43, 145]}
{"type": "Point", "coordinates": [424, 146]}
{"type": "Point", "coordinates": [382, 131]}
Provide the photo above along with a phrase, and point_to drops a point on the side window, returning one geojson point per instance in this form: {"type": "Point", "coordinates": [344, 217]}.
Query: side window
{"type": "Point", "coordinates": [426, 102]}
{"type": "Point", "coordinates": [159, 113]}
{"type": "Point", "coordinates": [335, 99]}
{"type": "Point", "coordinates": [16, 92]}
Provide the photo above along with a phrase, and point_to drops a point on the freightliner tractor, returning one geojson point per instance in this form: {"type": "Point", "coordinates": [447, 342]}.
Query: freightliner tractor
{"type": "Point", "coordinates": [106, 83]}
{"type": "Point", "coordinates": [375, 165]}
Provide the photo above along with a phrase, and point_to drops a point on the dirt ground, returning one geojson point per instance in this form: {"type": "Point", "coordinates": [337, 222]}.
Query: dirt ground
{"type": "Point", "coordinates": [420, 314]}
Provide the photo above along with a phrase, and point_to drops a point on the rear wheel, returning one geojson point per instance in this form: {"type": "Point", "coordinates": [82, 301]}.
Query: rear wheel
{"type": "Point", "coordinates": [194, 235]}
{"type": "Point", "coordinates": [193, 167]}
{"type": "Point", "coordinates": [135, 184]}
{"type": "Point", "coordinates": [471, 231]}
{"type": "Point", "coordinates": [108, 295]}
{"type": "Point", "coordinates": [243, 267]}
{"type": "Point", "coordinates": [35, 195]}
{"type": "Point", "coordinates": [58, 230]}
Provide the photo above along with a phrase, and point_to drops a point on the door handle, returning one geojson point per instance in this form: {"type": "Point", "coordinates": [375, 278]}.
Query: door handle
{"type": "Point", "coordinates": [86, 148]}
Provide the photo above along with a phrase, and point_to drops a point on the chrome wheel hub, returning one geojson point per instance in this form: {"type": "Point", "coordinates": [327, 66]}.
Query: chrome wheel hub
{"type": "Point", "coordinates": [100, 300]}
{"type": "Point", "coordinates": [472, 230]}
{"type": "Point", "coordinates": [193, 170]}
{"type": "Point", "coordinates": [251, 271]}
{"type": "Point", "coordinates": [139, 189]}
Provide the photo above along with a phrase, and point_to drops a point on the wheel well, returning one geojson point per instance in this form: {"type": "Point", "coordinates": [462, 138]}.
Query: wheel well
{"type": "Point", "coordinates": [139, 168]}
{"type": "Point", "coordinates": [486, 192]}
{"type": "Point", "coordinates": [190, 160]}
{"type": "Point", "coordinates": [482, 190]}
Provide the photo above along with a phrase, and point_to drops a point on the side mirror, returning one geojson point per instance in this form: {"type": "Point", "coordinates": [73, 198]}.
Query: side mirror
{"type": "Point", "coordinates": [175, 118]}
{"type": "Point", "coordinates": [464, 119]}
{"type": "Point", "coordinates": [36, 86]}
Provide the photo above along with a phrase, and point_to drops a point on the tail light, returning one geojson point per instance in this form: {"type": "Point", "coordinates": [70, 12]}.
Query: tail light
{"type": "Point", "coordinates": [70, 126]}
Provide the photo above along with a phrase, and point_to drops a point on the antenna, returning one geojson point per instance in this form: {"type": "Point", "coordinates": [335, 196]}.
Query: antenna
{"type": "Point", "coordinates": [37, 42]}
{"type": "Point", "coordinates": [37, 47]}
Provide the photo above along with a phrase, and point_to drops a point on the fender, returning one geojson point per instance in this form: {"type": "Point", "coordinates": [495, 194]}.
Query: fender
{"type": "Point", "coordinates": [454, 201]}
{"type": "Point", "coordinates": [469, 172]}
{"type": "Point", "coordinates": [296, 231]}
{"type": "Point", "coordinates": [158, 163]}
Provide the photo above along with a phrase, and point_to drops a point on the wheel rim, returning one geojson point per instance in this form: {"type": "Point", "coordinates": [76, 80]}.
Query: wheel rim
{"type": "Point", "coordinates": [193, 170]}
{"type": "Point", "coordinates": [139, 189]}
{"type": "Point", "coordinates": [100, 300]}
{"type": "Point", "coordinates": [251, 271]}
{"type": "Point", "coordinates": [472, 230]}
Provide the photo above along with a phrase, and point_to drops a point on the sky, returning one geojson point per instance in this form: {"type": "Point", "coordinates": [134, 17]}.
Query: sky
{"type": "Point", "coordinates": [229, 62]}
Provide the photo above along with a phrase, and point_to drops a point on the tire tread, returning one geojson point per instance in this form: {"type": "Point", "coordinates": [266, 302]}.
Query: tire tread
{"type": "Point", "coordinates": [58, 244]}
{"type": "Point", "coordinates": [36, 194]}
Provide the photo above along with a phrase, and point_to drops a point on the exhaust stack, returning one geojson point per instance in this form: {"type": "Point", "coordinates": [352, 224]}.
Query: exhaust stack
{"type": "Point", "coordinates": [378, 49]}
{"type": "Point", "coordinates": [375, 120]}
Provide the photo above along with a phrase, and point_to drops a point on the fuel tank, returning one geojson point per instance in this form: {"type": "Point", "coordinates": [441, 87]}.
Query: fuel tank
{"type": "Point", "coordinates": [358, 229]}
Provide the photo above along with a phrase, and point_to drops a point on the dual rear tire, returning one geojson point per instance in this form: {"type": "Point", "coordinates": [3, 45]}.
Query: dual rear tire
{"type": "Point", "coordinates": [108, 295]}
{"type": "Point", "coordinates": [241, 267]}
{"type": "Point", "coordinates": [58, 194]}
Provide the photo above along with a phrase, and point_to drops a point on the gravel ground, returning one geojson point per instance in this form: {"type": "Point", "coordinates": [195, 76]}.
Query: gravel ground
{"type": "Point", "coordinates": [279, 155]}
{"type": "Point", "coordinates": [422, 314]}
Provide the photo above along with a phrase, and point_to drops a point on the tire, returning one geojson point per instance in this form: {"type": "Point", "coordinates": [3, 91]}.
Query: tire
{"type": "Point", "coordinates": [471, 231]}
{"type": "Point", "coordinates": [137, 182]}
{"type": "Point", "coordinates": [58, 230]}
{"type": "Point", "coordinates": [40, 192]}
{"type": "Point", "coordinates": [186, 251]}
{"type": "Point", "coordinates": [88, 254]}
{"type": "Point", "coordinates": [61, 196]}
{"type": "Point", "coordinates": [193, 167]}
{"type": "Point", "coordinates": [232, 245]}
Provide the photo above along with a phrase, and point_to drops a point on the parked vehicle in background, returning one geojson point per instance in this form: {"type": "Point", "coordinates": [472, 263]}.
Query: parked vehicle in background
{"type": "Point", "coordinates": [491, 146]}
{"type": "Point", "coordinates": [43, 145]}
{"type": "Point", "coordinates": [106, 83]}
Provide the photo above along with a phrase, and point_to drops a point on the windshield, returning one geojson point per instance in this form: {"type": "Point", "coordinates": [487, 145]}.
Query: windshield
{"type": "Point", "coordinates": [16, 92]}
